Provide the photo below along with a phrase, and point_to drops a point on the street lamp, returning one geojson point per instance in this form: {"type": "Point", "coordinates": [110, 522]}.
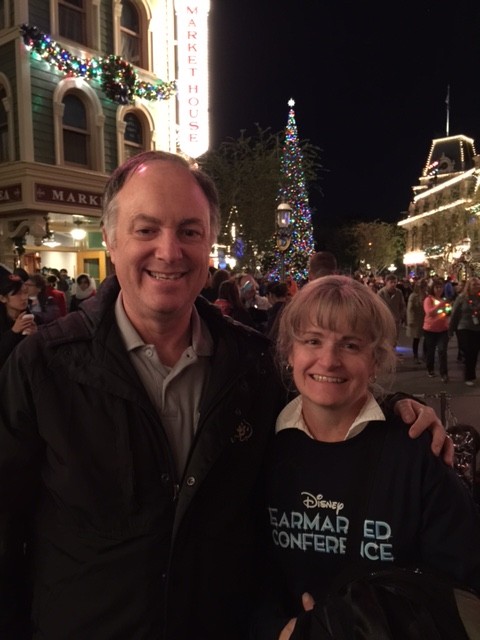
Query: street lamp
{"type": "Point", "coordinates": [283, 233]}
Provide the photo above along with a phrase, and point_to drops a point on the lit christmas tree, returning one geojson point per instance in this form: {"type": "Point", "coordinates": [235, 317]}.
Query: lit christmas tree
{"type": "Point", "coordinates": [294, 193]}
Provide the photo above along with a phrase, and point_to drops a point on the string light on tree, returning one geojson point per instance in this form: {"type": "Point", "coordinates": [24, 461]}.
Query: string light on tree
{"type": "Point", "coordinates": [293, 191]}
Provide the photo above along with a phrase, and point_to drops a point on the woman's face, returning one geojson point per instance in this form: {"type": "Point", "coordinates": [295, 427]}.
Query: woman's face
{"type": "Point", "coordinates": [332, 369]}
{"type": "Point", "coordinates": [475, 286]}
{"type": "Point", "coordinates": [83, 284]}
{"type": "Point", "coordinates": [16, 302]}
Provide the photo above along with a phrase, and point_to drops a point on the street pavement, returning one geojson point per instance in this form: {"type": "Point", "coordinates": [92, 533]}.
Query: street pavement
{"type": "Point", "coordinates": [453, 401]}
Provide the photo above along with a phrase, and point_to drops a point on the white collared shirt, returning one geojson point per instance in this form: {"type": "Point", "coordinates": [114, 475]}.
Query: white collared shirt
{"type": "Point", "coordinates": [291, 417]}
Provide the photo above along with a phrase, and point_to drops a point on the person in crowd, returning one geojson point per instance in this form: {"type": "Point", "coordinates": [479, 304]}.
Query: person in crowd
{"type": "Point", "coordinates": [435, 328]}
{"type": "Point", "coordinates": [345, 486]}
{"type": "Point", "coordinates": [230, 304]}
{"type": "Point", "coordinates": [64, 285]}
{"type": "Point", "coordinates": [15, 320]}
{"type": "Point", "coordinates": [321, 263]}
{"type": "Point", "coordinates": [292, 286]}
{"type": "Point", "coordinates": [449, 289]}
{"type": "Point", "coordinates": [208, 292]}
{"type": "Point", "coordinates": [393, 298]}
{"type": "Point", "coordinates": [415, 318]}
{"type": "Point", "coordinates": [58, 296]}
{"type": "Point", "coordinates": [133, 434]}
{"type": "Point", "coordinates": [218, 277]}
{"type": "Point", "coordinates": [465, 322]}
{"type": "Point", "coordinates": [85, 288]}
{"type": "Point", "coordinates": [277, 294]}
{"type": "Point", "coordinates": [256, 305]}
{"type": "Point", "coordinates": [42, 304]}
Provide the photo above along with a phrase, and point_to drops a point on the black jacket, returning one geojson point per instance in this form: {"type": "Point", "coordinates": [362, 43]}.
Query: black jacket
{"type": "Point", "coordinates": [91, 521]}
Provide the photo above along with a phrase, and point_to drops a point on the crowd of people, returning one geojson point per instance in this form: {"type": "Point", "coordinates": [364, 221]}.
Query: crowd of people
{"type": "Point", "coordinates": [28, 300]}
{"type": "Point", "coordinates": [139, 453]}
{"type": "Point", "coordinates": [432, 310]}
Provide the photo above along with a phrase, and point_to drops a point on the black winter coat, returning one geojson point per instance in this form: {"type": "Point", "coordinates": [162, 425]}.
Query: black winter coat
{"type": "Point", "coordinates": [92, 524]}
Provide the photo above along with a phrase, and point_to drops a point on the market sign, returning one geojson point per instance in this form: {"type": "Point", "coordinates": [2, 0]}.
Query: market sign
{"type": "Point", "coordinates": [11, 193]}
{"type": "Point", "coordinates": [193, 98]}
{"type": "Point", "coordinates": [62, 195]}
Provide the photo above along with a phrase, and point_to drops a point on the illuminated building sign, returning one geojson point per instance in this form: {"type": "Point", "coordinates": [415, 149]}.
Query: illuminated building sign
{"type": "Point", "coordinates": [61, 195]}
{"type": "Point", "coordinates": [192, 95]}
{"type": "Point", "coordinates": [11, 193]}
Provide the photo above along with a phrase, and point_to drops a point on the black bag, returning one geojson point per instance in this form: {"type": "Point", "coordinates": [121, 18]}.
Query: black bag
{"type": "Point", "coordinates": [396, 604]}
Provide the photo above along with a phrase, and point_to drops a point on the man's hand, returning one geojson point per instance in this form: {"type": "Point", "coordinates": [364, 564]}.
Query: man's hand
{"type": "Point", "coordinates": [422, 417]}
{"type": "Point", "coordinates": [308, 603]}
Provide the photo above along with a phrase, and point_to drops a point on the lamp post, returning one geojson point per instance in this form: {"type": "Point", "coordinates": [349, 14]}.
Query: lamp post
{"type": "Point", "coordinates": [283, 233]}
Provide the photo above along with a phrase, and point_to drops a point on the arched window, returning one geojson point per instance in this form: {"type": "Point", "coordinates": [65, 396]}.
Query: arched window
{"type": "Point", "coordinates": [135, 131]}
{"type": "Point", "coordinates": [133, 32]}
{"type": "Point", "coordinates": [130, 33]}
{"type": "Point", "coordinates": [76, 136]}
{"type": "Point", "coordinates": [72, 20]}
{"type": "Point", "coordinates": [134, 137]}
{"type": "Point", "coordinates": [79, 125]}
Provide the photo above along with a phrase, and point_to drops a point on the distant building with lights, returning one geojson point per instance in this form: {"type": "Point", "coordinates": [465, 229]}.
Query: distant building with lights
{"type": "Point", "coordinates": [85, 84]}
{"type": "Point", "coordinates": [443, 221]}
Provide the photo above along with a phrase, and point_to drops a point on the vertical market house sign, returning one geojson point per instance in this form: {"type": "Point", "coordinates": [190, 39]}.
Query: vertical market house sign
{"type": "Point", "coordinates": [193, 88]}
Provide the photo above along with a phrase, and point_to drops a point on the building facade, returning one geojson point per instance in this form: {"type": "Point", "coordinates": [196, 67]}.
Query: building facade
{"type": "Point", "coordinates": [85, 84]}
{"type": "Point", "coordinates": [443, 222]}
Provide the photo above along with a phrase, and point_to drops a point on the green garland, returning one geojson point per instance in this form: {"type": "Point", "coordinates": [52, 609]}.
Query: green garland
{"type": "Point", "coordinates": [117, 77]}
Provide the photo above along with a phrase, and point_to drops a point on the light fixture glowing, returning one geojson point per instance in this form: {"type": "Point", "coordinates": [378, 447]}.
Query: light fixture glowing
{"type": "Point", "coordinates": [78, 234]}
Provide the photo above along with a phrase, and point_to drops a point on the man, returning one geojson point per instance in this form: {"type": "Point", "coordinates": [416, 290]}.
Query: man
{"type": "Point", "coordinates": [321, 263]}
{"type": "Point", "coordinates": [64, 285]}
{"type": "Point", "coordinates": [393, 298]}
{"type": "Point", "coordinates": [132, 435]}
{"type": "Point", "coordinates": [55, 294]}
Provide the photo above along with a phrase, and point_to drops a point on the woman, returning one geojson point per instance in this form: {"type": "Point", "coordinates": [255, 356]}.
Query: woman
{"type": "Point", "coordinates": [415, 317]}
{"type": "Point", "coordinates": [435, 328]}
{"type": "Point", "coordinates": [230, 304]}
{"type": "Point", "coordinates": [15, 320]}
{"type": "Point", "coordinates": [85, 288]}
{"type": "Point", "coordinates": [465, 321]}
{"type": "Point", "coordinates": [346, 487]}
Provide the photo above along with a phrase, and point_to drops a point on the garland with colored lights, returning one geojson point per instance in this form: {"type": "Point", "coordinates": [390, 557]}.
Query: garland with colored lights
{"type": "Point", "coordinates": [118, 78]}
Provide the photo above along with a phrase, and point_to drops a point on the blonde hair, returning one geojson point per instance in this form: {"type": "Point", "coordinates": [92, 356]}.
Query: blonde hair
{"type": "Point", "coordinates": [331, 302]}
{"type": "Point", "coordinates": [467, 290]}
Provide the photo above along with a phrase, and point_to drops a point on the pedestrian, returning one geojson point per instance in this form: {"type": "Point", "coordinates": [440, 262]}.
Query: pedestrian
{"type": "Point", "coordinates": [133, 433]}
{"type": "Point", "coordinates": [15, 320]}
{"type": "Point", "coordinates": [415, 318]}
{"type": "Point", "coordinates": [435, 327]}
{"type": "Point", "coordinates": [321, 263]}
{"type": "Point", "coordinates": [393, 298]}
{"type": "Point", "coordinates": [58, 296]}
{"type": "Point", "coordinates": [465, 322]}
{"type": "Point", "coordinates": [85, 288]}
{"type": "Point", "coordinates": [230, 304]}
{"type": "Point", "coordinates": [346, 490]}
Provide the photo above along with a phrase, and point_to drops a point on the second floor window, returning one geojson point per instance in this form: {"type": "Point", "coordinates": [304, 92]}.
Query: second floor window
{"type": "Point", "coordinates": [130, 28]}
{"type": "Point", "coordinates": [76, 137]}
{"type": "Point", "coordinates": [134, 137]}
{"type": "Point", "coordinates": [72, 20]}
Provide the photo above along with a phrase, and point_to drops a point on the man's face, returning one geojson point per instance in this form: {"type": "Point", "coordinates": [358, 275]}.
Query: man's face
{"type": "Point", "coordinates": [162, 242]}
{"type": "Point", "coordinates": [391, 285]}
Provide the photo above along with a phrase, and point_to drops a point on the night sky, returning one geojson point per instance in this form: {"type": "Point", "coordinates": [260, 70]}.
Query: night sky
{"type": "Point", "coordinates": [369, 85]}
